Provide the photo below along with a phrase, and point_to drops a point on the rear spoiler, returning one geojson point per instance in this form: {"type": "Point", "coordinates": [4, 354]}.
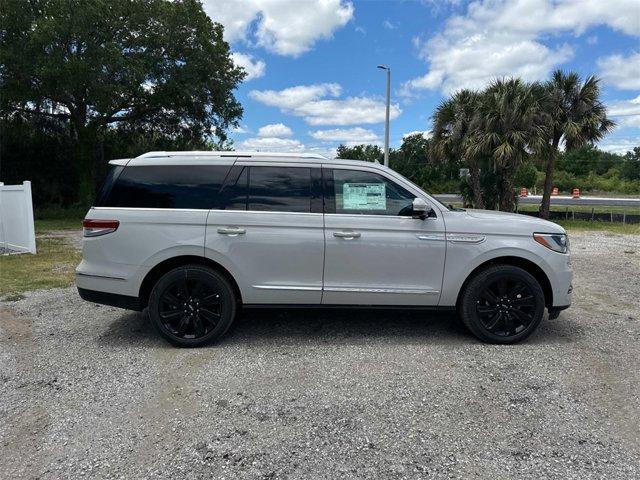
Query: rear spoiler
{"type": "Point", "coordinates": [122, 162]}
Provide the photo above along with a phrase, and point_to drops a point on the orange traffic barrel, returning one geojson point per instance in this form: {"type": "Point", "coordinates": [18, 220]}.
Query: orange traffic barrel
{"type": "Point", "coordinates": [576, 193]}
{"type": "Point", "coordinates": [523, 192]}
{"type": "Point", "coordinates": [554, 191]}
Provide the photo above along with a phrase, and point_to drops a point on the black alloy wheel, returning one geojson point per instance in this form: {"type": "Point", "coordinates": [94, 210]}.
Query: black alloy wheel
{"type": "Point", "coordinates": [502, 304]}
{"type": "Point", "coordinates": [506, 306]}
{"type": "Point", "coordinates": [192, 305]}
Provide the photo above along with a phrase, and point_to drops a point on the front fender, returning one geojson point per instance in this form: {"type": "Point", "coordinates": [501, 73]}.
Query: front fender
{"type": "Point", "coordinates": [463, 258]}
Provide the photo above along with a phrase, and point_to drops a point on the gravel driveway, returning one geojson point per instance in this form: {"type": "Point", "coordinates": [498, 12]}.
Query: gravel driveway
{"type": "Point", "coordinates": [91, 390]}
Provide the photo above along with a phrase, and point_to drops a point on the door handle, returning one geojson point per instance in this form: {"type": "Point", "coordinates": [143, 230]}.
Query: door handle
{"type": "Point", "coordinates": [232, 231]}
{"type": "Point", "coordinates": [347, 235]}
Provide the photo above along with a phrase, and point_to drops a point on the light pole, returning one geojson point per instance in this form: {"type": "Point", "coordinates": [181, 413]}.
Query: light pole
{"type": "Point", "coordinates": [386, 121]}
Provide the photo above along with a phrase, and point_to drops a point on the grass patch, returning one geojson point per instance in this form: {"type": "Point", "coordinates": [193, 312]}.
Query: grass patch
{"type": "Point", "coordinates": [585, 225]}
{"type": "Point", "coordinates": [57, 218]}
{"type": "Point", "coordinates": [58, 224]}
{"type": "Point", "coordinates": [52, 267]}
{"type": "Point", "coordinates": [581, 209]}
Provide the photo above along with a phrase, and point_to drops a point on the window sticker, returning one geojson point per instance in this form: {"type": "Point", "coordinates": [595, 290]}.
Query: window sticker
{"type": "Point", "coordinates": [364, 196]}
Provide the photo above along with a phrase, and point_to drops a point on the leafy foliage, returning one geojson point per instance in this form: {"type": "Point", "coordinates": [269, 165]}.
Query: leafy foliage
{"type": "Point", "coordinates": [366, 153]}
{"type": "Point", "coordinates": [153, 65]}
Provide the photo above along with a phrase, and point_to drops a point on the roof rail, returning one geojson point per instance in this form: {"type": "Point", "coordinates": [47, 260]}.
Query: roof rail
{"type": "Point", "coordinates": [206, 153]}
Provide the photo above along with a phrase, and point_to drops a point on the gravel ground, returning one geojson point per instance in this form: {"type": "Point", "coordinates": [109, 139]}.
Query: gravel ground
{"type": "Point", "coordinates": [91, 390]}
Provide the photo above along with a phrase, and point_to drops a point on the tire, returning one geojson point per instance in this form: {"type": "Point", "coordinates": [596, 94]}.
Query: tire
{"type": "Point", "coordinates": [502, 304]}
{"type": "Point", "coordinates": [192, 305]}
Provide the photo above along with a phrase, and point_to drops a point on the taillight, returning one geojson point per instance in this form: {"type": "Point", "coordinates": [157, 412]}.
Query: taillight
{"type": "Point", "coordinates": [95, 228]}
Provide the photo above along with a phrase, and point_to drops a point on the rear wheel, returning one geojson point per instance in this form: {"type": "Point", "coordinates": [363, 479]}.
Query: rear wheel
{"type": "Point", "coordinates": [502, 304]}
{"type": "Point", "coordinates": [192, 305]}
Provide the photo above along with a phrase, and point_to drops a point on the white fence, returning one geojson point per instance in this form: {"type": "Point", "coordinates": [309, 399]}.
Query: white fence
{"type": "Point", "coordinates": [17, 232]}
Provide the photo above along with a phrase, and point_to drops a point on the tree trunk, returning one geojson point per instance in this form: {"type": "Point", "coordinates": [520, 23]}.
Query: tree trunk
{"type": "Point", "coordinates": [84, 149]}
{"type": "Point", "coordinates": [545, 206]}
{"type": "Point", "coordinates": [474, 173]}
{"type": "Point", "coordinates": [506, 188]}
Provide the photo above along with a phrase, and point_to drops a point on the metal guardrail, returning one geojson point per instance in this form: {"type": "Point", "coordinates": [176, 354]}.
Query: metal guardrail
{"type": "Point", "coordinates": [558, 200]}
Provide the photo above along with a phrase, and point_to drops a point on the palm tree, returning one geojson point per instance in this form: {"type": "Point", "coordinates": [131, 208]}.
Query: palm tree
{"type": "Point", "coordinates": [508, 125]}
{"type": "Point", "coordinates": [576, 117]}
{"type": "Point", "coordinates": [451, 123]}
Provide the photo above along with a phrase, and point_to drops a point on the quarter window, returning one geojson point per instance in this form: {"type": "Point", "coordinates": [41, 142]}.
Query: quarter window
{"type": "Point", "coordinates": [360, 192]}
{"type": "Point", "coordinates": [189, 186]}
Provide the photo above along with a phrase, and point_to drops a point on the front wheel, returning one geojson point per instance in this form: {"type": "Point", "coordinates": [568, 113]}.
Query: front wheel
{"type": "Point", "coordinates": [192, 305]}
{"type": "Point", "coordinates": [502, 304]}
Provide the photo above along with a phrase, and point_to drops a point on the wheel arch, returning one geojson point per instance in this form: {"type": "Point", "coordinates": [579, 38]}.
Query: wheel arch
{"type": "Point", "coordinates": [520, 262]}
{"type": "Point", "coordinates": [163, 267]}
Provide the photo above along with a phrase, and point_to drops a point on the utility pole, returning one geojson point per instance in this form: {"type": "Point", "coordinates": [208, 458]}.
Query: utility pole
{"type": "Point", "coordinates": [386, 122]}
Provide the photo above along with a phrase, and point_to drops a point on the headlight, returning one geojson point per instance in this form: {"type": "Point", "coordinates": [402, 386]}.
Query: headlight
{"type": "Point", "coordinates": [558, 242]}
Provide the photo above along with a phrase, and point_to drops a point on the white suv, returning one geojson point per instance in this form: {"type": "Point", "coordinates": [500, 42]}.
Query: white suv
{"type": "Point", "coordinates": [195, 236]}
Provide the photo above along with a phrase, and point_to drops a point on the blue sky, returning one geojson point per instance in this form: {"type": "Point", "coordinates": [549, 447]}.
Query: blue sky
{"type": "Point", "coordinates": [313, 82]}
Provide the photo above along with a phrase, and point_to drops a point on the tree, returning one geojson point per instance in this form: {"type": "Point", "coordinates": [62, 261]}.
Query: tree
{"type": "Point", "coordinates": [367, 153]}
{"type": "Point", "coordinates": [576, 117]}
{"type": "Point", "coordinates": [452, 121]}
{"type": "Point", "coordinates": [97, 64]}
{"type": "Point", "coordinates": [507, 124]}
{"type": "Point", "coordinates": [415, 147]}
{"type": "Point", "coordinates": [631, 165]}
{"type": "Point", "coordinates": [526, 174]}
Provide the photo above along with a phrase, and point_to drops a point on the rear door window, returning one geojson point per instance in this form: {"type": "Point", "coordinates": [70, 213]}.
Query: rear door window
{"type": "Point", "coordinates": [171, 186]}
{"type": "Point", "coordinates": [272, 189]}
{"type": "Point", "coordinates": [234, 192]}
{"type": "Point", "coordinates": [279, 189]}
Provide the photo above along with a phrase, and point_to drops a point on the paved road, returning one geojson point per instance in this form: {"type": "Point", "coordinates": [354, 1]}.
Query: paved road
{"type": "Point", "coordinates": [559, 200]}
{"type": "Point", "coordinates": [89, 391]}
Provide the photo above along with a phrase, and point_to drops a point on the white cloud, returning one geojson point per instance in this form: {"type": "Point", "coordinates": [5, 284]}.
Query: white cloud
{"type": "Point", "coordinates": [286, 27]}
{"type": "Point", "coordinates": [426, 133]}
{"type": "Point", "coordinates": [626, 113]}
{"type": "Point", "coordinates": [502, 38]}
{"type": "Point", "coordinates": [620, 71]}
{"type": "Point", "coordinates": [619, 145]}
{"type": "Point", "coordinates": [348, 136]}
{"type": "Point", "coordinates": [254, 68]}
{"type": "Point", "coordinates": [272, 144]}
{"type": "Point", "coordinates": [389, 25]}
{"type": "Point", "coordinates": [311, 103]}
{"type": "Point", "coordinates": [240, 129]}
{"type": "Point", "coordinates": [275, 130]}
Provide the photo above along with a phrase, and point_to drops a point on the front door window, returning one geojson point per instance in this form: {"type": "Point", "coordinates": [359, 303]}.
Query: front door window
{"type": "Point", "coordinates": [366, 193]}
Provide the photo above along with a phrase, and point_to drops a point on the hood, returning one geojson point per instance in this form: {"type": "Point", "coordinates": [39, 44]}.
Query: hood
{"type": "Point", "coordinates": [492, 221]}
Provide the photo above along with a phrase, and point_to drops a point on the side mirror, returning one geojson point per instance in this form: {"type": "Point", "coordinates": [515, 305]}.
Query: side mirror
{"type": "Point", "coordinates": [421, 208]}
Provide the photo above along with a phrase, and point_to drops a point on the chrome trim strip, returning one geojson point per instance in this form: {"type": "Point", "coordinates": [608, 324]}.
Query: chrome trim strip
{"type": "Point", "coordinates": [153, 209]}
{"type": "Point", "coordinates": [382, 290]}
{"type": "Point", "coordinates": [439, 237]}
{"type": "Point", "coordinates": [267, 212]}
{"type": "Point", "coordinates": [366, 215]}
{"type": "Point", "coordinates": [107, 277]}
{"type": "Point", "coordinates": [464, 238]}
{"type": "Point", "coordinates": [212, 210]}
{"type": "Point", "coordinates": [287, 287]}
